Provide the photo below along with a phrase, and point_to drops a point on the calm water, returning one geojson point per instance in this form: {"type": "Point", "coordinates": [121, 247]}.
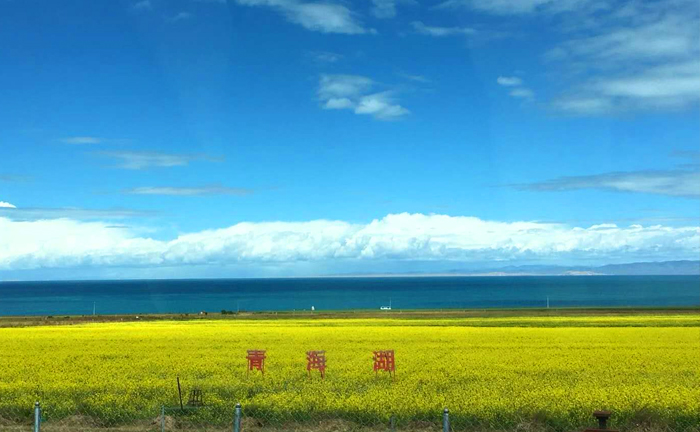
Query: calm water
{"type": "Point", "coordinates": [181, 296]}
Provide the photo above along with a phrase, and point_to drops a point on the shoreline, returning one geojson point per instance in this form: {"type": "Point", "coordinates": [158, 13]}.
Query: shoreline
{"type": "Point", "coordinates": [361, 276]}
{"type": "Point", "coordinates": [395, 314]}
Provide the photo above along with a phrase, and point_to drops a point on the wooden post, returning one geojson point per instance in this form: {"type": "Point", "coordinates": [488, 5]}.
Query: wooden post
{"type": "Point", "coordinates": [179, 391]}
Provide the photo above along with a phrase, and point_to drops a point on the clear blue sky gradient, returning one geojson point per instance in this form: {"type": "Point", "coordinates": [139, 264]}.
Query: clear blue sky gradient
{"type": "Point", "coordinates": [236, 86]}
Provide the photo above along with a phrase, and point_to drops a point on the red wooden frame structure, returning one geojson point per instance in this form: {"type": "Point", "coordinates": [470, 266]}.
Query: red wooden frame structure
{"type": "Point", "coordinates": [256, 360]}
{"type": "Point", "coordinates": [384, 360]}
{"type": "Point", "coordinates": [316, 360]}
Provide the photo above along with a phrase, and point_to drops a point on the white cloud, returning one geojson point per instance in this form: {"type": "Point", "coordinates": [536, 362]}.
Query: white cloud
{"type": "Point", "coordinates": [136, 160]}
{"type": "Point", "coordinates": [82, 140]}
{"type": "Point", "coordinates": [339, 103]}
{"type": "Point", "coordinates": [509, 81]}
{"type": "Point", "coordinates": [187, 191]}
{"type": "Point", "coordinates": [673, 85]}
{"type": "Point", "coordinates": [180, 16]}
{"type": "Point", "coordinates": [66, 243]}
{"type": "Point", "coordinates": [321, 17]}
{"type": "Point", "coordinates": [343, 86]}
{"type": "Point", "coordinates": [421, 28]}
{"type": "Point", "coordinates": [4, 204]}
{"type": "Point", "coordinates": [510, 7]}
{"type": "Point", "coordinates": [415, 78]}
{"type": "Point", "coordinates": [387, 8]}
{"type": "Point", "coordinates": [76, 213]}
{"type": "Point", "coordinates": [325, 56]}
{"type": "Point", "coordinates": [583, 104]}
{"type": "Point", "coordinates": [639, 56]}
{"type": "Point", "coordinates": [672, 182]}
{"type": "Point", "coordinates": [522, 92]}
{"type": "Point", "coordinates": [517, 88]}
{"type": "Point", "coordinates": [653, 35]}
{"type": "Point", "coordinates": [614, 56]}
{"type": "Point", "coordinates": [142, 5]}
{"type": "Point", "coordinates": [353, 92]}
{"type": "Point", "coordinates": [381, 106]}
{"type": "Point", "coordinates": [384, 8]}
{"type": "Point", "coordinates": [399, 237]}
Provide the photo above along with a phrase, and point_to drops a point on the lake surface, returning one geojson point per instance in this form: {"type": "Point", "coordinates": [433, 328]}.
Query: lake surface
{"type": "Point", "coordinates": [189, 296]}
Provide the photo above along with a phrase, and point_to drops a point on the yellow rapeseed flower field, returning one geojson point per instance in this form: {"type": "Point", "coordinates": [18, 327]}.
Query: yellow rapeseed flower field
{"type": "Point", "coordinates": [489, 375]}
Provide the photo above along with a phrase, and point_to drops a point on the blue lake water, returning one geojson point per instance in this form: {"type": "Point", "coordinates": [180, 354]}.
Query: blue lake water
{"type": "Point", "coordinates": [189, 296]}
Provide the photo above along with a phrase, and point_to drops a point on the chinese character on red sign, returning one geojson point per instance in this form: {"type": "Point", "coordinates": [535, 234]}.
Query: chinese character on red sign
{"type": "Point", "coordinates": [316, 360]}
{"type": "Point", "coordinates": [256, 360]}
{"type": "Point", "coordinates": [384, 360]}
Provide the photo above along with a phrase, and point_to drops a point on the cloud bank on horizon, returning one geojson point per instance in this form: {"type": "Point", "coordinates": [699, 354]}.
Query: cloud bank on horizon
{"type": "Point", "coordinates": [66, 243]}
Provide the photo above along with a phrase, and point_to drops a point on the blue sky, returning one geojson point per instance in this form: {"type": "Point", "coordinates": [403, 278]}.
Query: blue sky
{"type": "Point", "coordinates": [165, 138]}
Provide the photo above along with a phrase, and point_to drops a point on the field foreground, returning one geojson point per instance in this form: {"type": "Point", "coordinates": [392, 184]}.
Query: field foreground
{"type": "Point", "coordinates": [524, 373]}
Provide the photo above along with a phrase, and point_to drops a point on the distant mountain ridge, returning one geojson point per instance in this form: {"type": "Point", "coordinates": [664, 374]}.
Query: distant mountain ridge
{"type": "Point", "coordinates": [660, 268]}
{"type": "Point", "coordinates": [665, 268]}
{"type": "Point", "coordinates": [654, 268]}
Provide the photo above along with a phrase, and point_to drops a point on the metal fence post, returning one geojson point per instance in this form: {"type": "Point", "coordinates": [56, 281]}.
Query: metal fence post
{"type": "Point", "coordinates": [37, 417]}
{"type": "Point", "coordinates": [162, 418]}
{"type": "Point", "coordinates": [446, 420]}
{"type": "Point", "coordinates": [237, 419]}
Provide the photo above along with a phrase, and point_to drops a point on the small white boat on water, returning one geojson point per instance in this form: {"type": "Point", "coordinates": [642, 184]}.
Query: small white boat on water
{"type": "Point", "coordinates": [386, 307]}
